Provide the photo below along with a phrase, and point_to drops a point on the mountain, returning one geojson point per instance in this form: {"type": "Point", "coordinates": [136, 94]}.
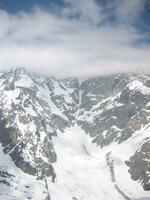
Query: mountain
{"type": "Point", "coordinates": [64, 139]}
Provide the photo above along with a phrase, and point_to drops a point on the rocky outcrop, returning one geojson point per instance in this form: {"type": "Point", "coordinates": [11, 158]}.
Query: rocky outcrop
{"type": "Point", "coordinates": [113, 108]}
{"type": "Point", "coordinates": [139, 165]}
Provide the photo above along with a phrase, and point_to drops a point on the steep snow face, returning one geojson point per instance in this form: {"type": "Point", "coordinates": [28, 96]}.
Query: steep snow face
{"type": "Point", "coordinates": [24, 134]}
{"type": "Point", "coordinates": [81, 168]}
{"type": "Point", "coordinates": [16, 185]}
{"type": "Point", "coordinates": [65, 133]}
{"type": "Point", "coordinates": [83, 172]}
{"type": "Point", "coordinates": [32, 109]}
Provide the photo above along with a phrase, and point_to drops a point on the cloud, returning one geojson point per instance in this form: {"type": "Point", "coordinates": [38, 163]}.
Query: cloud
{"type": "Point", "coordinates": [127, 10]}
{"type": "Point", "coordinates": [87, 10]}
{"type": "Point", "coordinates": [80, 40]}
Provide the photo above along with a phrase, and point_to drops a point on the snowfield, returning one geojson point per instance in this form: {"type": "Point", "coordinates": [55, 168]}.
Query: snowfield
{"type": "Point", "coordinates": [82, 171]}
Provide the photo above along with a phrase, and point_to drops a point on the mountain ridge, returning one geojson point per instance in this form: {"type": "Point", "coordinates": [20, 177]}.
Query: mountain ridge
{"type": "Point", "coordinates": [34, 109]}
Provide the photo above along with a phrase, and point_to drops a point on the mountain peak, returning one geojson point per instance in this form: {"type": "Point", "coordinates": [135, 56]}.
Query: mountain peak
{"type": "Point", "coordinates": [17, 69]}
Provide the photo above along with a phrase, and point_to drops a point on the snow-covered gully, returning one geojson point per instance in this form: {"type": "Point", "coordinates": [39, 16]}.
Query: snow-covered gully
{"type": "Point", "coordinates": [81, 170]}
{"type": "Point", "coordinates": [84, 172]}
{"type": "Point", "coordinates": [109, 162]}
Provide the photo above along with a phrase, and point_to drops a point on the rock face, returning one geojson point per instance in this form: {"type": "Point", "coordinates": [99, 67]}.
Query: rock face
{"type": "Point", "coordinates": [113, 108]}
{"type": "Point", "coordinates": [140, 166]}
{"type": "Point", "coordinates": [33, 109]}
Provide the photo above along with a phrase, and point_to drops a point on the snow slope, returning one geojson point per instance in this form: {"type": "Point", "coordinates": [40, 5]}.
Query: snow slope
{"type": "Point", "coordinates": [22, 186]}
{"type": "Point", "coordinates": [82, 171]}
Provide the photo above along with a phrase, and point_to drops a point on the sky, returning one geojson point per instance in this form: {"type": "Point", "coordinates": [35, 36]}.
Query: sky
{"type": "Point", "coordinates": [75, 38]}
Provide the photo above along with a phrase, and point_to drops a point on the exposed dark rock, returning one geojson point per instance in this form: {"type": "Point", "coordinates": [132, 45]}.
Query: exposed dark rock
{"type": "Point", "coordinates": [139, 165]}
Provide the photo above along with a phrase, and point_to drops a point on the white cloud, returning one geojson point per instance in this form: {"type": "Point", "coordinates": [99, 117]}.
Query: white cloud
{"type": "Point", "coordinates": [45, 42]}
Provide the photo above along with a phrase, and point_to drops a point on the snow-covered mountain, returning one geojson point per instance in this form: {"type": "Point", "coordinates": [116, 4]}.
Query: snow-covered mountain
{"type": "Point", "coordinates": [72, 140]}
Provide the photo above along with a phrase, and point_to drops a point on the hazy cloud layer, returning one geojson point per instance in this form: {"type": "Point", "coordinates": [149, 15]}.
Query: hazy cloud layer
{"type": "Point", "coordinates": [79, 40]}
